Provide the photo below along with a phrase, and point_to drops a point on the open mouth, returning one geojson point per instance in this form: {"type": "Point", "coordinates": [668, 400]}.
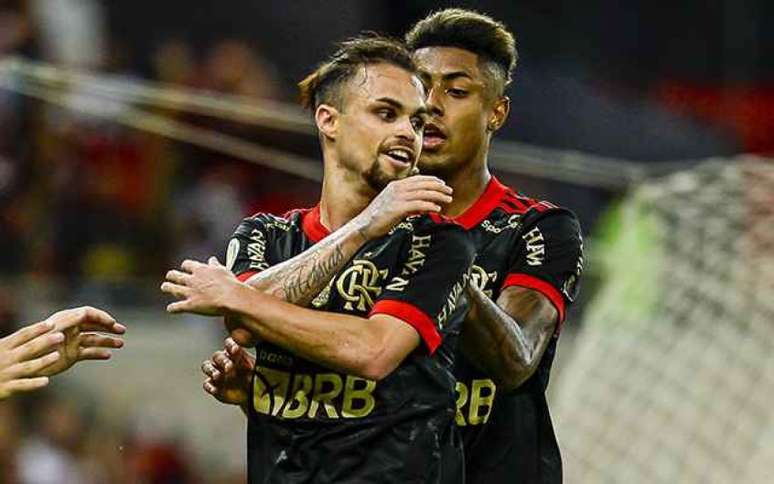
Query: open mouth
{"type": "Point", "coordinates": [401, 155]}
{"type": "Point", "coordinates": [433, 137]}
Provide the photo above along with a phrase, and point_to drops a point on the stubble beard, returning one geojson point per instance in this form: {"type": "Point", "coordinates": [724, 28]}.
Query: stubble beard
{"type": "Point", "coordinates": [376, 178]}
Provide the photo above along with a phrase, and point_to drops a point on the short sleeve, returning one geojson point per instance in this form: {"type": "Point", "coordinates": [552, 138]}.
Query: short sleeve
{"type": "Point", "coordinates": [548, 257]}
{"type": "Point", "coordinates": [247, 251]}
{"type": "Point", "coordinates": [430, 280]}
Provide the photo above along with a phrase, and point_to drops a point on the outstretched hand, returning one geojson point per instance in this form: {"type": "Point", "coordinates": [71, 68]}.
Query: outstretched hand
{"type": "Point", "coordinates": [200, 288]}
{"type": "Point", "coordinates": [84, 339]}
{"type": "Point", "coordinates": [32, 354]}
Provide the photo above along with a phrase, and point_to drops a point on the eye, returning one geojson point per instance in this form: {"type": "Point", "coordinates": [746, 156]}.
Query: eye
{"type": "Point", "coordinates": [386, 114]}
{"type": "Point", "coordinates": [456, 92]}
{"type": "Point", "coordinates": [418, 123]}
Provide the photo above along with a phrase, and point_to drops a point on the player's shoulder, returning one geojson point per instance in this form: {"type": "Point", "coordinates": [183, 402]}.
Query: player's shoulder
{"type": "Point", "coordinates": [532, 210]}
{"type": "Point", "coordinates": [269, 222]}
{"type": "Point", "coordinates": [515, 202]}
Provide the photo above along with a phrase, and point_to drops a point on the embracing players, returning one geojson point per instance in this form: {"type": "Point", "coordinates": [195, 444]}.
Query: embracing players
{"type": "Point", "coordinates": [360, 388]}
{"type": "Point", "coordinates": [527, 270]}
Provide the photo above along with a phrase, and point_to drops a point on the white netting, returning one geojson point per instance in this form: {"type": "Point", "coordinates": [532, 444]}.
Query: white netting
{"type": "Point", "coordinates": [672, 376]}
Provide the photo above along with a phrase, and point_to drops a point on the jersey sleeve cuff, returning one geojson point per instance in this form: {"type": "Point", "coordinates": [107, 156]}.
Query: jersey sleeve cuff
{"type": "Point", "coordinates": [541, 286]}
{"type": "Point", "coordinates": [246, 275]}
{"type": "Point", "coordinates": [412, 315]}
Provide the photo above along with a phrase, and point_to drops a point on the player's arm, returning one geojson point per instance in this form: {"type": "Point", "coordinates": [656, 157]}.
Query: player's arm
{"type": "Point", "coordinates": [300, 279]}
{"type": "Point", "coordinates": [507, 338]}
{"type": "Point", "coordinates": [366, 347]}
{"type": "Point", "coordinates": [369, 347]}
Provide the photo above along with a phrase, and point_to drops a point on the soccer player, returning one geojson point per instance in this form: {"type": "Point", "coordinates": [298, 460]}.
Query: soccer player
{"type": "Point", "coordinates": [31, 355]}
{"type": "Point", "coordinates": [529, 253]}
{"type": "Point", "coordinates": [358, 389]}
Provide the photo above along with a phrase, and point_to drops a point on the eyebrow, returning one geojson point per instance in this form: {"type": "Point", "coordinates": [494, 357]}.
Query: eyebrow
{"type": "Point", "coordinates": [392, 102]}
{"type": "Point", "coordinates": [398, 105]}
{"type": "Point", "coordinates": [456, 75]}
{"type": "Point", "coordinates": [449, 76]}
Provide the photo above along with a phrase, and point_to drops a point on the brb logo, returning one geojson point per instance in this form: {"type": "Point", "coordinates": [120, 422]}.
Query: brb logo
{"type": "Point", "coordinates": [320, 395]}
{"type": "Point", "coordinates": [359, 285]}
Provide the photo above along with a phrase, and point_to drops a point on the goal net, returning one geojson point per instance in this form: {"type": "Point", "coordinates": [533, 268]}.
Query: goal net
{"type": "Point", "coordinates": [671, 378]}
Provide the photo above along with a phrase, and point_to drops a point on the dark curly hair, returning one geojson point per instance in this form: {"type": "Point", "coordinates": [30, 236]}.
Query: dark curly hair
{"type": "Point", "coordinates": [471, 31]}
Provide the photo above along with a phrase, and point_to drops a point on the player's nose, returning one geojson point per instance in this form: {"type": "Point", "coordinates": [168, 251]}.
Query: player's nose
{"type": "Point", "coordinates": [434, 102]}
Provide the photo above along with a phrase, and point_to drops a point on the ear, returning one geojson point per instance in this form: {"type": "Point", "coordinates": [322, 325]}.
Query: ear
{"type": "Point", "coordinates": [327, 119]}
{"type": "Point", "coordinates": [500, 110]}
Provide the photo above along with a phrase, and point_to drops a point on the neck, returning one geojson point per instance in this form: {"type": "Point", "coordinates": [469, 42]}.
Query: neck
{"type": "Point", "coordinates": [344, 195]}
{"type": "Point", "coordinates": [468, 185]}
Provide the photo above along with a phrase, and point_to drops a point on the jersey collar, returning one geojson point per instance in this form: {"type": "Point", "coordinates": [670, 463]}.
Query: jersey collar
{"type": "Point", "coordinates": [480, 210]}
{"type": "Point", "coordinates": [311, 225]}
{"type": "Point", "coordinates": [482, 207]}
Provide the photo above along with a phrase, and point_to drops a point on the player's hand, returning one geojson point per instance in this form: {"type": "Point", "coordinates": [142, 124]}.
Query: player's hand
{"type": "Point", "coordinates": [200, 288]}
{"type": "Point", "coordinates": [84, 339]}
{"type": "Point", "coordinates": [399, 199]}
{"type": "Point", "coordinates": [228, 374]}
{"type": "Point", "coordinates": [21, 363]}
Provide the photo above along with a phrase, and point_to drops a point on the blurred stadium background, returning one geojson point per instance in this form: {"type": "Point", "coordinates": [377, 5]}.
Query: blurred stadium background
{"type": "Point", "coordinates": [135, 134]}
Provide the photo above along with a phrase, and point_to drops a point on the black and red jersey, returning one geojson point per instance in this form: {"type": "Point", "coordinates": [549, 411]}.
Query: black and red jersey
{"type": "Point", "coordinates": [509, 437]}
{"type": "Point", "coordinates": [309, 423]}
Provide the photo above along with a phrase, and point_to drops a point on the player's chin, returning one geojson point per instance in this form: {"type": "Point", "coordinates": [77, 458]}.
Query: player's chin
{"type": "Point", "coordinates": [432, 163]}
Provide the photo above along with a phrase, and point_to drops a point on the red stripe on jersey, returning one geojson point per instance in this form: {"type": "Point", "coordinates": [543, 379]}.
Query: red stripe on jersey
{"type": "Point", "coordinates": [412, 315]}
{"type": "Point", "coordinates": [519, 204]}
{"type": "Point", "coordinates": [541, 286]}
{"type": "Point", "coordinates": [246, 275]}
{"type": "Point", "coordinates": [311, 225]}
{"type": "Point", "coordinates": [511, 207]}
{"type": "Point", "coordinates": [486, 203]}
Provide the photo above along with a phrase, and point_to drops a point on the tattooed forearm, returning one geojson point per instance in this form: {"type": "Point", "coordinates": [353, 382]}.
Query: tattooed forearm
{"type": "Point", "coordinates": [300, 279]}
{"type": "Point", "coordinates": [507, 339]}
{"type": "Point", "coordinates": [310, 277]}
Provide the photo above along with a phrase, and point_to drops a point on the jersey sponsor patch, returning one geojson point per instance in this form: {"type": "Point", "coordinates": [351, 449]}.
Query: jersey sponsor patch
{"type": "Point", "coordinates": [289, 395]}
{"type": "Point", "coordinates": [475, 400]}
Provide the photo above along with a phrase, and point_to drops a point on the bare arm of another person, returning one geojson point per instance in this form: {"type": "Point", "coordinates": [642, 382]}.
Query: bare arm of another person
{"type": "Point", "coordinates": [507, 338]}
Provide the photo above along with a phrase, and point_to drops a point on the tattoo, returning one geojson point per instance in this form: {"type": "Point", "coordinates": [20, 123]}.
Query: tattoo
{"type": "Point", "coordinates": [310, 277]}
{"type": "Point", "coordinates": [300, 279]}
